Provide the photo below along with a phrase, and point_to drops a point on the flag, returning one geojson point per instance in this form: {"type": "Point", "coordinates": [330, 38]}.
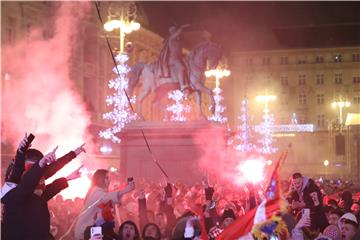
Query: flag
{"type": "Point", "coordinates": [241, 227]}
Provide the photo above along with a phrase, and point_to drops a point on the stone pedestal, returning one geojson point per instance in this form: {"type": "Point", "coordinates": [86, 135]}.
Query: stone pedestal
{"type": "Point", "coordinates": [177, 147]}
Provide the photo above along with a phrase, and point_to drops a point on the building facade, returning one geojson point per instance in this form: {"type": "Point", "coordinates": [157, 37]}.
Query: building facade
{"type": "Point", "coordinates": [305, 82]}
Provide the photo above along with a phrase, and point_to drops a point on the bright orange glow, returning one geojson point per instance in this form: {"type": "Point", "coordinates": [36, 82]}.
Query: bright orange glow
{"type": "Point", "coordinates": [77, 187]}
{"type": "Point", "coordinates": [251, 170]}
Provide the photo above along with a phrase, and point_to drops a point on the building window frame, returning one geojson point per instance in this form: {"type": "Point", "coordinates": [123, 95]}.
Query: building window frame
{"type": "Point", "coordinates": [319, 59]}
{"type": "Point", "coordinates": [284, 60]}
{"type": "Point", "coordinates": [356, 99]}
{"type": "Point", "coordinates": [320, 99]}
{"type": "Point", "coordinates": [302, 79]}
{"type": "Point", "coordinates": [302, 99]}
{"type": "Point", "coordinates": [356, 79]}
{"type": "Point", "coordinates": [319, 79]}
{"type": "Point", "coordinates": [338, 78]}
{"type": "Point", "coordinates": [356, 57]}
{"type": "Point", "coordinates": [321, 120]}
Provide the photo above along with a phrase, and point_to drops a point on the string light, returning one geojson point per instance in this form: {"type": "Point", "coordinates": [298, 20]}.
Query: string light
{"type": "Point", "coordinates": [244, 129]}
{"type": "Point", "coordinates": [264, 129]}
{"type": "Point", "coordinates": [121, 113]}
{"type": "Point", "coordinates": [179, 107]}
{"type": "Point", "coordinates": [219, 108]}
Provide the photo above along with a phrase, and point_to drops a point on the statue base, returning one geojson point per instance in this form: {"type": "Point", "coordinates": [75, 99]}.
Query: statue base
{"type": "Point", "coordinates": [179, 147]}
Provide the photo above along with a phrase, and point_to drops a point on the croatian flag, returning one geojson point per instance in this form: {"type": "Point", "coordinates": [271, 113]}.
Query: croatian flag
{"type": "Point", "coordinates": [241, 228]}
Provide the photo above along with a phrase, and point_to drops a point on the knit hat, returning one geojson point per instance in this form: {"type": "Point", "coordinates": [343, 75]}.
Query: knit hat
{"type": "Point", "coordinates": [332, 232]}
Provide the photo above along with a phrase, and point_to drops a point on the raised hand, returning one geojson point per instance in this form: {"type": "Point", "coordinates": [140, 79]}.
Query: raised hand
{"type": "Point", "coordinates": [25, 143]}
{"type": "Point", "coordinates": [80, 149]}
{"type": "Point", "coordinates": [141, 194]}
{"type": "Point", "coordinates": [75, 174]}
{"type": "Point", "coordinates": [48, 158]}
{"type": "Point", "coordinates": [130, 187]}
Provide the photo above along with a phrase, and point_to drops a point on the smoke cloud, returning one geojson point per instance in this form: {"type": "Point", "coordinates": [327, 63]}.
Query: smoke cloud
{"type": "Point", "coordinates": [40, 97]}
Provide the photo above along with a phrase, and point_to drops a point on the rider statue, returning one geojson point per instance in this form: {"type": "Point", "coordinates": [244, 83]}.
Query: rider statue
{"type": "Point", "coordinates": [171, 63]}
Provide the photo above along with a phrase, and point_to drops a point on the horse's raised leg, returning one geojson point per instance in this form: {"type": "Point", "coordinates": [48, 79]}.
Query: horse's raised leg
{"type": "Point", "coordinates": [201, 88]}
{"type": "Point", "coordinates": [199, 102]}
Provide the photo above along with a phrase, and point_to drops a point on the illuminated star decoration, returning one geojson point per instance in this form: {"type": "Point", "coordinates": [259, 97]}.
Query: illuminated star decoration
{"type": "Point", "coordinates": [121, 113]}
{"type": "Point", "coordinates": [244, 133]}
{"type": "Point", "coordinates": [179, 107]}
{"type": "Point", "coordinates": [219, 108]}
{"type": "Point", "coordinates": [265, 130]}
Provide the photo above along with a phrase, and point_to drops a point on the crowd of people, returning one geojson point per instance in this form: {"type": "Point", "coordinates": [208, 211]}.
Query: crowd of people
{"type": "Point", "coordinates": [162, 211]}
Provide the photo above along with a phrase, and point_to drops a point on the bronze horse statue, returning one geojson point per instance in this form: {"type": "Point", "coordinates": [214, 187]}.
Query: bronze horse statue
{"type": "Point", "coordinates": [203, 55]}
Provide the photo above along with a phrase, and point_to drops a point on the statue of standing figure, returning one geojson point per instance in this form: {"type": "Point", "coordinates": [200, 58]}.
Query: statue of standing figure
{"type": "Point", "coordinates": [171, 63]}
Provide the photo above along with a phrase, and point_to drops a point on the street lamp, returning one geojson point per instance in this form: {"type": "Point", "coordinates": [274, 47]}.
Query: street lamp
{"type": "Point", "coordinates": [326, 164]}
{"type": "Point", "coordinates": [125, 27]}
{"type": "Point", "coordinates": [218, 74]}
{"type": "Point", "coordinates": [266, 99]}
{"type": "Point", "coordinates": [340, 104]}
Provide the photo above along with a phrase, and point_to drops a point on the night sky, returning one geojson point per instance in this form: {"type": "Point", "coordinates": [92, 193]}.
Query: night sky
{"type": "Point", "coordinates": [262, 25]}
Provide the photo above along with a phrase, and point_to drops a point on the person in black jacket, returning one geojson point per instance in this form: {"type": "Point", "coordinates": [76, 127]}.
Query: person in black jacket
{"type": "Point", "coordinates": [16, 167]}
{"type": "Point", "coordinates": [26, 215]}
{"type": "Point", "coordinates": [306, 194]}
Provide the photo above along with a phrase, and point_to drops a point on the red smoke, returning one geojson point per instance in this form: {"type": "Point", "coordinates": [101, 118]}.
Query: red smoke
{"type": "Point", "coordinates": [39, 96]}
{"type": "Point", "coordinates": [223, 163]}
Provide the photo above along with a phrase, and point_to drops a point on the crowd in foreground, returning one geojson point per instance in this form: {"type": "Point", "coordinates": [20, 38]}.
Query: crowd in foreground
{"type": "Point", "coordinates": [32, 210]}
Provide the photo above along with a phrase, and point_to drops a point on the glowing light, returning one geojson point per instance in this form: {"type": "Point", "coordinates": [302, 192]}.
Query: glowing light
{"type": "Point", "coordinates": [326, 163]}
{"type": "Point", "coordinates": [289, 128]}
{"type": "Point", "coordinates": [219, 108]}
{"type": "Point", "coordinates": [127, 27]}
{"type": "Point", "coordinates": [219, 73]}
{"type": "Point", "coordinates": [244, 133]}
{"type": "Point", "coordinates": [269, 162]}
{"type": "Point", "coordinates": [77, 187]}
{"type": "Point", "coordinates": [113, 169]}
{"type": "Point", "coordinates": [265, 131]}
{"type": "Point", "coordinates": [266, 98]}
{"type": "Point", "coordinates": [121, 114]}
{"type": "Point", "coordinates": [105, 149]}
{"type": "Point", "coordinates": [179, 107]}
{"type": "Point", "coordinates": [251, 170]}
{"type": "Point", "coordinates": [294, 119]}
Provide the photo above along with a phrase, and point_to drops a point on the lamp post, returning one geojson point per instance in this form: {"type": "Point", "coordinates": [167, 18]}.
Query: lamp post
{"type": "Point", "coordinates": [265, 129]}
{"type": "Point", "coordinates": [218, 74]}
{"type": "Point", "coordinates": [266, 99]}
{"type": "Point", "coordinates": [326, 164]}
{"type": "Point", "coordinates": [124, 25]}
{"type": "Point", "coordinates": [340, 104]}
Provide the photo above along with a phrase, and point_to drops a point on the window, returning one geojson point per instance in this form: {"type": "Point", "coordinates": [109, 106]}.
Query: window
{"type": "Point", "coordinates": [338, 58]}
{"type": "Point", "coordinates": [248, 61]}
{"type": "Point", "coordinates": [302, 99]}
{"type": "Point", "coordinates": [320, 98]}
{"type": "Point", "coordinates": [319, 79]}
{"type": "Point", "coordinates": [338, 78]}
{"type": "Point", "coordinates": [319, 59]}
{"type": "Point", "coordinates": [356, 79]}
{"type": "Point", "coordinates": [302, 60]}
{"type": "Point", "coordinates": [284, 80]}
{"type": "Point", "coordinates": [356, 57]}
{"type": "Point", "coordinates": [283, 60]}
{"type": "Point", "coordinates": [356, 100]}
{"type": "Point", "coordinates": [302, 117]}
{"type": "Point", "coordinates": [302, 79]}
{"type": "Point", "coordinates": [266, 61]}
{"type": "Point", "coordinates": [321, 120]}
